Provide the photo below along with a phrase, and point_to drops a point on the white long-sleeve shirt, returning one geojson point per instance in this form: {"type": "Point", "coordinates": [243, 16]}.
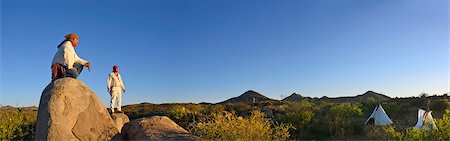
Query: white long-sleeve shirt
{"type": "Point", "coordinates": [67, 56]}
{"type": "Point", "coordinates": [115, 81]}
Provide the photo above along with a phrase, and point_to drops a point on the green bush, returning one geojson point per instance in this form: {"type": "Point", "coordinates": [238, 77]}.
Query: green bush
{"type": "Point", "coordinates": [441, 133]}
{"type": "Point", "coordinates": [232, 127]}
{"type": "Point", "coordinates": [300, 115]}
{"type": "Point", "coordinates": [340, 119]}
{"type": "Point", "coordinates": [238, 108]}
{"type": "Point", "coordinates": [439, 106]}
{"type": "Point", "coordinates": [375, 133]}
{"type": "Point", "coordinates": [213, 109]}
{"type": "Point", "coordinates": [443, 125]}
{"type": "Point", "coordinates": [184, 115]}
{"type": "Point", "coordinates": [178, 112]}
{"type": "Point", "coordinates": [16, 124]}
{"type": "Point", "coordinates": [392, 134]}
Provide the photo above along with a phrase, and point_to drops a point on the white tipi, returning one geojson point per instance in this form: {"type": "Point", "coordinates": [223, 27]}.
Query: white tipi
{"type": "Point", "coordinates": [379, 117]}
{"type": "Point", "coordinates": [424, 119]}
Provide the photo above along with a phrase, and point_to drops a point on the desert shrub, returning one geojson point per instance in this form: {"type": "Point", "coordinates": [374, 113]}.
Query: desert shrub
{"type": "Point", "coordinates": [184, 116]}
{"type": "Point", "coordinates": [394, 109]}
{"type": "Point", "coordinates": [238, 108]}
{"type": "Point", "coordinates": [439, 106]}
{"type": "Point", "coordinates": [232, 127]}
{"type": "Point", "coordinates": [370, 101]}
{"type": "Point", "coordinates": [417, 134]}
{"type": "Point", "coordinates": [195, 109]}
{"type": "Point", "coordinates": [213, 109]}
{"type": "Point", "coordinates": [443, 125]}
{"type": "Point", "coordinates": [299, 115]}
{"type": "Point", "coordinates": [340, 119]}
{"type": "Point", "coordinates": [375, 133]}
{"type": "Point", "coordinates": [320, 128]}
{"type": "Point", "coordinates": [16, 124]}
{"type": "Point", "coordinates": [142, 110]}
{"type": "Point", "coordinates": [392, 134]}
{"type": "Point", "coordinates": [177, 112]}
{"type": "Point", "coordinates": [442, 132]}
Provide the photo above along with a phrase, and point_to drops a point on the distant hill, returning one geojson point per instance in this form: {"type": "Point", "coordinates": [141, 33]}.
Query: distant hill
{"type": "Point", "coordinates": [248, 97]}
{"type": "Point", "coordinates": [294, 97]}
{"type": "Point", "coordinates": [359, 98]}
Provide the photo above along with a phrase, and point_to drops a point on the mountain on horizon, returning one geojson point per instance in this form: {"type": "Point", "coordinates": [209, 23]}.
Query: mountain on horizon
{"type": "Point", "coordinates": [248, 98]}
{"type": "Point", "coordinates": [294, 97]}
{"type": "Point", "coordinates": [359, 98]}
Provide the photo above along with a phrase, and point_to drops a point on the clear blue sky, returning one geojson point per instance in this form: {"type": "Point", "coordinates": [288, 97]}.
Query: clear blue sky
{"type": "Point", "coordinates": [212, 50]}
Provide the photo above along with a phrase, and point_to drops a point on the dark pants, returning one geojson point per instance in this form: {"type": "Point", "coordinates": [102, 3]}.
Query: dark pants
{"type": "Point", "coordinates": [72, 73]}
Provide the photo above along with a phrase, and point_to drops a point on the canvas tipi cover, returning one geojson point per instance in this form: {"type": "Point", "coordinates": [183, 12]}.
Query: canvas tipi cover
{"type": "Point", "coordinates": [379, 117]}
{"type": "Point", "coordinates": [424, 119]}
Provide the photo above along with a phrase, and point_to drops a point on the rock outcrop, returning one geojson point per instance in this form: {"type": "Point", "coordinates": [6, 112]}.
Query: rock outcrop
{"type": "Point", "coordinates": [69, 110]}
{"type": "Point", "coordinates": [120, 119]}
{"type": "Point", "coordinates": [155, 128]}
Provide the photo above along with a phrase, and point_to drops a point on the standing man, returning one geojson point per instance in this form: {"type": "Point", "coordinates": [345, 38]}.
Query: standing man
{"type": "Point", "coordinates": [66, 62]}
{"type": "Point", "coordinates": [115, 86]}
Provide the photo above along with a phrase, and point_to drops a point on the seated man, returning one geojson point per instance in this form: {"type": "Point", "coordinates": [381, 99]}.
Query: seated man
{"type": "Point", "coordinates": [66, 62]}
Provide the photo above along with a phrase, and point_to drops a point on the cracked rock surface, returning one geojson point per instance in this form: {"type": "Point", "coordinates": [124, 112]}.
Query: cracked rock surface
{"type": "Point", "coordinates": [70, 110]}
{"type": "Point", "coordinates": [155, 128]}
{"type": "Point", "coordinates": [120, 119]}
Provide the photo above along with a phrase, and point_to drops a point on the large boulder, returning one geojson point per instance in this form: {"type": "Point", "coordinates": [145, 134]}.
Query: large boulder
{"type": "Point", "coordinates": [155, 128]}
{"type": "Point", "coordinates": [120, 119]}
{"type": "Point", "coordinates": [69, 110]}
